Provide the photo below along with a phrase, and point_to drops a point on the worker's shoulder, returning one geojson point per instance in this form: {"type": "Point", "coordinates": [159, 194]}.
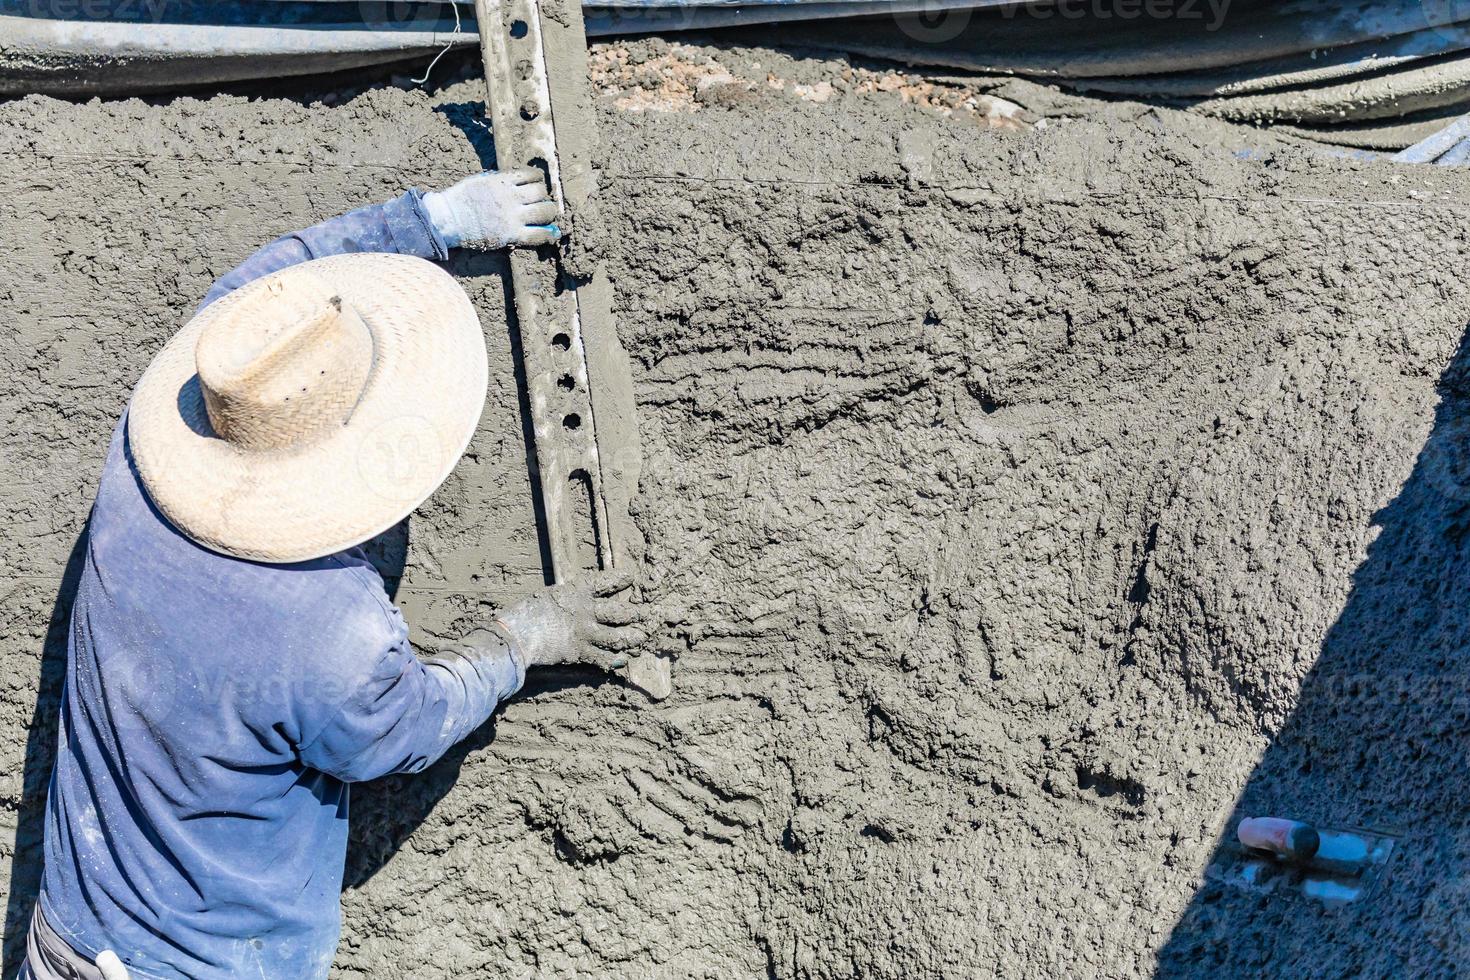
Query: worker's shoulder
{"type": "Point", "coordinates": [335, 603]}
{"type": "Point", "coordinates": [331, 605]}
{"type": "Point", "coordinates": [342, 634]}
{"type": "Point", "coordinates": [329, 618]}
{"type": "Point", "coordinates": [362, 590]}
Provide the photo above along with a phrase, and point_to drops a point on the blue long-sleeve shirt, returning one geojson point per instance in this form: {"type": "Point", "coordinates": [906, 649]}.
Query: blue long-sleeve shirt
{"type": "Point", "coordinates": [216, 710]}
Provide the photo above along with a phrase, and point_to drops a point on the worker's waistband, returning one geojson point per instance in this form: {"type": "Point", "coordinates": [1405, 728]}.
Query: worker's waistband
{"type": "Point", "coordinates": [49, 957]}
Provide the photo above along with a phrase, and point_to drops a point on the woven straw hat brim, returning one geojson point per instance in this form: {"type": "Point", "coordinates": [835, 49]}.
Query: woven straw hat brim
{"type": "Point", "coordinates": [415, 419]}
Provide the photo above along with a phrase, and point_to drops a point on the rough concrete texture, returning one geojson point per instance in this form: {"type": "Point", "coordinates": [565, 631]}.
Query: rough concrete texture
{"type": "Point", "coordinates": [1031, 495]}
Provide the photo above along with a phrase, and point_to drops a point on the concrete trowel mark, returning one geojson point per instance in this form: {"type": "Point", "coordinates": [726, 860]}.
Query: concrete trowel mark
{"type": "Point", "coordinates": [696, 786]}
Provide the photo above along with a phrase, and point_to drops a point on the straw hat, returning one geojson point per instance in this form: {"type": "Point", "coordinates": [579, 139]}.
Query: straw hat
{"type": "Point", "coordinates": [311, 409]}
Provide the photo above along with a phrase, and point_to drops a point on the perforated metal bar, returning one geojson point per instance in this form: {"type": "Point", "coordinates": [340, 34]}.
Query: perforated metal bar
{"type": "Point", "coordinates": [577, 375]}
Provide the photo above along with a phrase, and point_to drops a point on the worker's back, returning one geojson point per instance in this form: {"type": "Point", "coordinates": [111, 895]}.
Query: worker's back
{"type": "Point", "coordinates": [181, 805]}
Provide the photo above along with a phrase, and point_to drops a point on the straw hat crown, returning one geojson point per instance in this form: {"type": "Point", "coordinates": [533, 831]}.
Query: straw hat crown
{"type": "Point", "coordinates": [285, 367]}
{"type": "Point", "coordinates": [311, 409]}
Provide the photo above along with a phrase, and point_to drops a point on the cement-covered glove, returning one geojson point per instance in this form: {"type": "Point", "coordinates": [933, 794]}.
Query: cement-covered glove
{"type": "Point", "coordinates": [495, 209]}
{"type": "Point", "coordinates": [595, 622]}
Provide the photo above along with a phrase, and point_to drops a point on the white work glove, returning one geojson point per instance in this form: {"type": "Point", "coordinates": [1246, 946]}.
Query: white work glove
{"type": "Point", "coordinates": [495, 209]}
{"type": "Point", "coordinates": [594, 622]}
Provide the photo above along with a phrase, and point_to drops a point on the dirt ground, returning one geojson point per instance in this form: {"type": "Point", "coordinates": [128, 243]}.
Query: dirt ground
{"type": "Point", "coordinates": [1047, 488]}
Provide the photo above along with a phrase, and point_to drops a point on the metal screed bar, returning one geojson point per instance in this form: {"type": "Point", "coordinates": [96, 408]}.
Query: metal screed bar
{"type": "Point", "coordinates": [578, 382]}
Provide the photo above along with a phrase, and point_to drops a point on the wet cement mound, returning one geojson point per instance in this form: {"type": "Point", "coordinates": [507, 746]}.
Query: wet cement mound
{"type": "Point", "coordinates": [1027, 496]}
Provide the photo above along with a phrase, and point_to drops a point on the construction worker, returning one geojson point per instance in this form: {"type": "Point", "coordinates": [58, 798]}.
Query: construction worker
{"type": "Point", "coordinates": [234, 662]}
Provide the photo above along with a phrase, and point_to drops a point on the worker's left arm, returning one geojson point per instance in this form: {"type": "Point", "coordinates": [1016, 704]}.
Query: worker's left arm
{"type": "Point", "coordinates": [487, 211]}
{"type": "Point", "coordinates": [406, 712]}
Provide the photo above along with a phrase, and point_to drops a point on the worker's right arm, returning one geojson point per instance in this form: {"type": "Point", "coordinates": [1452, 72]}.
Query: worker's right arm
{"type": "Point", "coordinates": [406, 712]}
